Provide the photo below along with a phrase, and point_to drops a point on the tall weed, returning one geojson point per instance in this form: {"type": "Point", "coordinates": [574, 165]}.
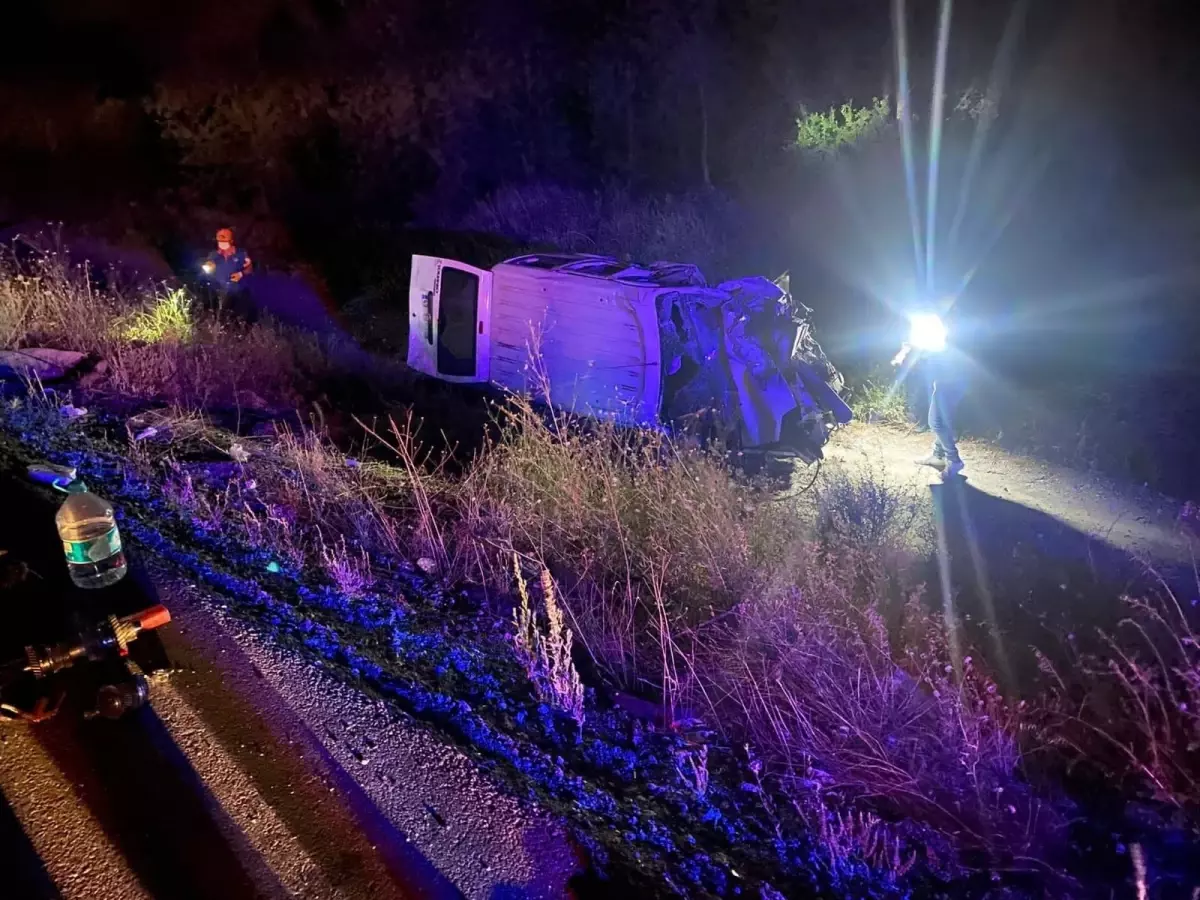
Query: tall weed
{"type": "Point", "coordinates": [1132, 710]}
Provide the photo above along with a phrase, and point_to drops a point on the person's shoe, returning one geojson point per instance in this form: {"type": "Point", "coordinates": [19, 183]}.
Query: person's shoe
{"type": "Point", "coordinates": [953, 469]}
{"type": "Point", "coordinates": [933, 460]}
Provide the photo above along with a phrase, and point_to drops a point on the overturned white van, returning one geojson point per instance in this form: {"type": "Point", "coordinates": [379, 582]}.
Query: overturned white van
{"type": "Point", "coordinates": [639, 345]}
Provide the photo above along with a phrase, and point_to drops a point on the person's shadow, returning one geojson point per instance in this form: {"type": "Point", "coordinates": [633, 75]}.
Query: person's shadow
{"type": "Point", "coordinates": [24, 873]}
{"type": "Point", "coordinates": [1016, 578]}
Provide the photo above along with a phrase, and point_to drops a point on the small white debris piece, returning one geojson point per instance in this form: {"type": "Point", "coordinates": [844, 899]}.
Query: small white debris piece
{"type": "Point", "coordinates": [239, 453]}
{"type": "Point", "coordinates": [145, 433]}
{"type": "Point", "coordinates": [427, 565]}
{"type": "Point", "coordinates": [352, 463]}
{"type": "Point", "coordinates": [68, 411]}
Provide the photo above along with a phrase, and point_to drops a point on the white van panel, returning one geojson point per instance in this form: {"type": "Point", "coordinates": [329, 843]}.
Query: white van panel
{"type": "Point", "coordinates": [595, 342]}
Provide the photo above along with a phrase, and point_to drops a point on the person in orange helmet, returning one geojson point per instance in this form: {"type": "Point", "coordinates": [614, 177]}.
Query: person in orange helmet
{"type": "Point", "coordinates": [226, 266]}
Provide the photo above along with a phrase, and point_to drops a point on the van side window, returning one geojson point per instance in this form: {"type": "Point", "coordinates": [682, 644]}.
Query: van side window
{"type": "Point", "coordinates": [540, 262]}
{"type": "Point", "coordinates": [457, 311]}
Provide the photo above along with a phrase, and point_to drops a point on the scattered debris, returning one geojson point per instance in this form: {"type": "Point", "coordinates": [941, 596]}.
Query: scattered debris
{"type": "Point", "coordinates": [67, 411]}
{"type": "Point", "coordinates": [427, 565]}
{"type": "Point", "coordinates": [164, 425]}
{"type": "Point", "coordinates": [49, 473]}
{"type": "Point", "coordinates": [676, 720]}
{"type": "Point", "coordinates": [239, 453]}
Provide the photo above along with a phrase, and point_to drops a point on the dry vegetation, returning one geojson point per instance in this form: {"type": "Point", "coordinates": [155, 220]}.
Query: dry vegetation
{"type": "Point", "coordinates": [794, 628]}
{"type": "Point", "coordinates": [1135, 709]}
{"type": "Point", "coordinates": [156, 345]}
{"type": "Point", "coordinates": [610, 221]}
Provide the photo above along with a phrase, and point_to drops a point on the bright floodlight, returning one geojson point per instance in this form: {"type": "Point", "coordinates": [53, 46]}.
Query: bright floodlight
{"type": "Point", "coordinates": [928, 332]}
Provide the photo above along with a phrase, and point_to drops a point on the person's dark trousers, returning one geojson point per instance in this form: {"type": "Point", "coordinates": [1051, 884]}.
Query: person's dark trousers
{"type": "Point", "coordinates": [239, 302]}
{"type": "Point", "coordinates": [945, 400]}
{"type": "Point", "coordinates": [230, 299]}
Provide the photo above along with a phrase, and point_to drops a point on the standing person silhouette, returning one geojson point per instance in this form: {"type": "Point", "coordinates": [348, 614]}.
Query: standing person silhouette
{"type": "Point", "coordinates": [928, 342]}
{"type": "Point", "coordinates": [227, 266]}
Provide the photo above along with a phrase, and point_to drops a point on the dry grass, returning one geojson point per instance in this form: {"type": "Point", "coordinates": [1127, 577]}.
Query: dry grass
{"type": "Point", "coordinates": [51, 301]}
{"type": "Point", "coordinates": [868, 509]}
{"type": "Point", "coordinates": [1133, 709]}
{"type": "Point", "coordinates": [616, 508]}
{"type": "Point", "coordinates": [708, 594]}
{"type": "Point", "coordinates": [547, 656]}
{"type": "Point", "coordinates": [223, 365]}
{"type": "Point", "coordinates": [711, 595]}
{"type": "Point", "coordinates": [348, 569]}
{"type": "Point", "coordinates": [845, 716]}
{"type": "Point", "coordinates": [718, 599]}
{"type": "Point", "coordinates": [155, 344]}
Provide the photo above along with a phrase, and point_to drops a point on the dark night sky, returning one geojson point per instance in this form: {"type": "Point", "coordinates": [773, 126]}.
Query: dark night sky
{"type": "Point", "coordinates": [91, 38]}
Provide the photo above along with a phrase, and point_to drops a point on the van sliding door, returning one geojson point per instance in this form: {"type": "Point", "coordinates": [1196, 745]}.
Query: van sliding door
{"type": "Point", "coordinates": [449, 307]}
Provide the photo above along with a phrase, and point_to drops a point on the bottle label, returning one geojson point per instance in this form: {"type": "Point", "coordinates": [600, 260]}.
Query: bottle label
{"type": "Point", "coordinates": [94, 551]}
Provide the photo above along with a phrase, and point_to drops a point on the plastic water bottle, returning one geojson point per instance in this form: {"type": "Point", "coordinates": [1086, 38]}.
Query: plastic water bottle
{"type": "Point", "coordinates": [91, 540]}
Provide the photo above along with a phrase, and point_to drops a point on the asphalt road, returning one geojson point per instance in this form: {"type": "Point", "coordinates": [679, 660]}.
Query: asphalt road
{"type": "Point", "coordinates": [250, 774]}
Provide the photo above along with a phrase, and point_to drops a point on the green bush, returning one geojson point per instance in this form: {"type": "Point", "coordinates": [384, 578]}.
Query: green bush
{"type": "Point", "coordinates": [167, 320]}
{"type": "Point", "coordinates": [825, 133]}
{"type": "Point", "coordinates": [880, 402]}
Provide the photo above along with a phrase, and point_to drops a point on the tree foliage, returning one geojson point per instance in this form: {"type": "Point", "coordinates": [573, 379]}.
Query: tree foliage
{"type": "Point", "coordinates": [826, 133]}
{"type": "Point", "coordinates": [662, 93]}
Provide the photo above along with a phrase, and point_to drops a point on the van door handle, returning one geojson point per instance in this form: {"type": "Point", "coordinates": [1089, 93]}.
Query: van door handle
{"type": "Point", "coordinates": [427, 299]}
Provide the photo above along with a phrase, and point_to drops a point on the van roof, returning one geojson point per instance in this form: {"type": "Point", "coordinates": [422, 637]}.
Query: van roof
{"type": "Point", "coordinates": [659, 274]}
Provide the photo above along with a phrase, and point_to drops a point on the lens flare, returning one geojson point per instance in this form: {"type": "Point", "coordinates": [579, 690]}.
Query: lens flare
{"type": "Point", "coordinates": [927, 332]}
